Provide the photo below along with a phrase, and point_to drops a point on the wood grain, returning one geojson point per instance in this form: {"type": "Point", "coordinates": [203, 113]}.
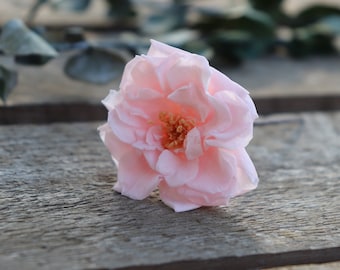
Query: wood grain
{"type": "Point", "coordinates": [324, 266]}
{"type": "Point", "coordinates": [58, 211]}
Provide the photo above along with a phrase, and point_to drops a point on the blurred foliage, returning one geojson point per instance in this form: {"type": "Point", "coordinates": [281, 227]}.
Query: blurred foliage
{"type": "Point", "coordinates": [229, 36]}
{"type": "Point", "coordinates": [23, 46]}
{"type": "Point", "coordinates": [95, 65]}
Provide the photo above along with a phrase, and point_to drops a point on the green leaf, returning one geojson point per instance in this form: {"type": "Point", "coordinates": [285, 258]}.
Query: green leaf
{"type": "Point", "coordinates": [17, 40]}
{"type": "Point", "coordinates": [95, 65]}
{"type": "Point", "coordinates": [316, 38]}
{"type": "Point", "coordinates": [120, 9]}
{"type": "Point", "coordinates": [266, 5]}
{"type": "Point", "coordinates": [8, 80]}
{"type": "Point", "coordinates": [73, 5]}
{"type": "Point", "coordinates": [272, 8]}
{"type": "Point", "coordinates": [235, 46]}
{"type": "Point", "coordinates": [249, 20]}
{"type": "Point", "coordinates": [310, 41]}
{"type": "Point", "coordinates": [164, 19]}
{"type": "Point", "coordinates": [315, 13]}
{"type": "Point", "coordinates": [330, 24]}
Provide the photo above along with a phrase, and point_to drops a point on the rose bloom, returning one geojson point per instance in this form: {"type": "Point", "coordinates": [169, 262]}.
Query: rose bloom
{"type": "Point", "coordinates": [181, 126]}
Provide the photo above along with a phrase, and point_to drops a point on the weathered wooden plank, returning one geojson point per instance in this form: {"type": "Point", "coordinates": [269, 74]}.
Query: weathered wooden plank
{"type": "Point", "coordinates": [57, 209]}
{"type": "Point", "coordinates": [323, 266]}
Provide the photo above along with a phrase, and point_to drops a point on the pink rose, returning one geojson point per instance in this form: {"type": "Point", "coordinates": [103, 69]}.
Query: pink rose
{"type": "Point", "coordinates": [182, 126]}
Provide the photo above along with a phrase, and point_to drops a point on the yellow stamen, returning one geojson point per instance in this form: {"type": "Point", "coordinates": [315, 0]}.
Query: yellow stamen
{"type": "Point", "coordinates": [175, 129]}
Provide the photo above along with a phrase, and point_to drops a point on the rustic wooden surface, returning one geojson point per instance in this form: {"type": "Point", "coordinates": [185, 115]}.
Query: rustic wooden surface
{"type": "Point", "coordinates": [323, 266]}
{"type": "Point", "coordinates": [58, 211]}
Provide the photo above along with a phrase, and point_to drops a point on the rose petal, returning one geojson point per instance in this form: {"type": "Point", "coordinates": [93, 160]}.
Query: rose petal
{"type": "Point", "coordinates": [193, 98]}
{"type": "Point", "coordinates": [247, 178]}
{"type": "Point", "coordinates": [176, 170]}
{"type": "Point", "coordinates": [193, 144]}
{"type": "Point", "coordinates": [159, 49]}
{"type": "Point", "coordinates": [112, 100]}
{"type": "Point", "coordinates": [232, 132]}
{"type": "Point", "coordinates": [199, 75]}
{"type": "Point", "coordinates": [171, 198]}
{"type": "Point", "coordinates": [123, 131]}
{"type": "Point", "coordinates": [151, 158]}
{"type": "Point", "coordinates": [136, 179]}
{"type": "Point", "coordinates": [116, 147]}
{"type": "Point", "coordinates": [221, 82]}
{"type": "Point", "coordinates": [216, 172]}
{"type": "Point", "coordinates": [138, 74]}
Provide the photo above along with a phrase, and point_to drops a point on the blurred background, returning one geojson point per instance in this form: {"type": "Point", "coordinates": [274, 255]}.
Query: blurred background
{"type": "Point", "coordinates": [72, 52]}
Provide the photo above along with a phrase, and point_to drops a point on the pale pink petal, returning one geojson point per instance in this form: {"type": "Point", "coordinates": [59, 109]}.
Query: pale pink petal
{"type": "Point", "coordinates": [176, 169]}
{"type": "Point", "coordinates": [123, 131]}
{"type": "Point", "coordinates": [171, 198]}
{"type": "Point", "coordinates": [159, 49]}
{"type": "Point", "coordinates": [112, 100]}
{"type": "Point", "coordinates": [138, 74]}
{"type": "Point", "coordinates": [247, 178]}
{"type": "Point", "coordinates": [193, 144]}
{"type": "Point", "coordinates": [136, 179]}
{"type": "Point", "coordinates": [202, 198]}
{"type": "Point", "coordinates": [154, 136]}
{"type": "Point", "coordinates": [193, 98]}
{"type": "Point", "coordinates": [115, 146]}
{"type": "Point", "coordinates": [151, 158]}
{"type": "Point", "coordinates": [193, 70]}
{"type": "Point", "coordinates": [149, 139]}
{"type": "Point", "coordinates": [216, 172]}
{"type": "Point", "coordinates": [221, 82]}
{"type": "Point", "coordinates": [131, 114]}
{"type": "Point", "coordinates": [231, 126]}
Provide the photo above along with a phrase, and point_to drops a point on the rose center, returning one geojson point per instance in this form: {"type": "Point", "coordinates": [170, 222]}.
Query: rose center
{"type": "Point", "coordinates": [175, 128]}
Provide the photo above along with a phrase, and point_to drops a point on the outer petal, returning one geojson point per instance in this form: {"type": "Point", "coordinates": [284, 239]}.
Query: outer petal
{"type": "Point", "coordinates": [112, 100]}
{"type": "Point", "coordinates": [175, 169]}
{"type": "Point", "coordinates": [192, 69]}
{"type": "Point", "coordinates": [116, 147]}
{"type": "Point", "coordinates": [138, 74]}
{"type": "Point", "coordinates": [159, 49]}
{"type": "Point", "coordinates": [216, 174]}
{"type": "Point", "coordinates": [124, 132]}
{"type": "Point", "coordinates": [135, 178]}
{"type": "Point", "coordinates": [171, 198]}
{"type": "Point", "coordinates": [247, 178]}
{"type": "Point", "coordinates": [231, 126]}
{"type": "Point", "coordinates": [221, 82]}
